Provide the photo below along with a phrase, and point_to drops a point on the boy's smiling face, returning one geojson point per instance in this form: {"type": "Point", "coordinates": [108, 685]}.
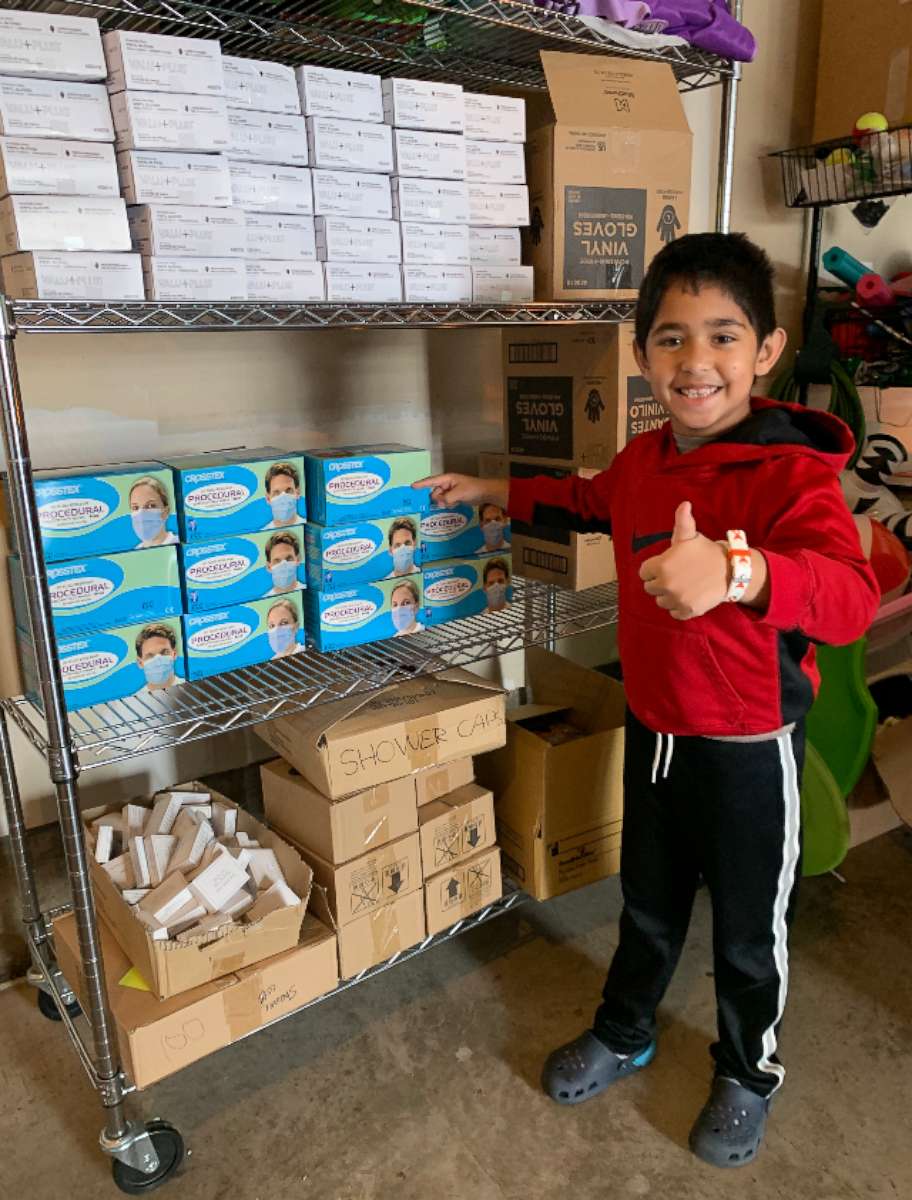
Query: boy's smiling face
{"type": "Point", "coordinates": [701, 358]}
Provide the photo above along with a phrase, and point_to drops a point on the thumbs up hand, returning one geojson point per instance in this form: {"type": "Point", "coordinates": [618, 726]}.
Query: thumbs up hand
{"type": "Point", "coordinates": [691, 577]}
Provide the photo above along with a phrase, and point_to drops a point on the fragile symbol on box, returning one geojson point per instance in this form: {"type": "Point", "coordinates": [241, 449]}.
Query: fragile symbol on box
{"type": "Point", "coordinates": [479, 878]}
{"type": "Point", "coordinates": [447, 845]}
{"type": "Point", "coordinates": [365, 890]}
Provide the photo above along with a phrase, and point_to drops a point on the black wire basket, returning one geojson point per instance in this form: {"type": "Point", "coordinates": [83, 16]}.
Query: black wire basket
{"type": "Point", "coordinates": [846, 169]}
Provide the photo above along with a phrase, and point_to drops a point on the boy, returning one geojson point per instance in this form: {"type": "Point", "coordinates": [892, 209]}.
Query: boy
{"type": "Point", "coordinates": [716, 639]}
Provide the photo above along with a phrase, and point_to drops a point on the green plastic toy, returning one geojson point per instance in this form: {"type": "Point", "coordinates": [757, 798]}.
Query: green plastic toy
{"type": "Point", "coordinates": [843, 719]}
{"type": "Point", "coordinates": [824, 817]}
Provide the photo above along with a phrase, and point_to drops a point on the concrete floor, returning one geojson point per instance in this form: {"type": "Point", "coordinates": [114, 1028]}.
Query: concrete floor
{"type": "Point", "coordinates": [423, 1083]}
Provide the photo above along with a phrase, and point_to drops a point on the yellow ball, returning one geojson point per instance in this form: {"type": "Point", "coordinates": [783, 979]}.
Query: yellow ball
{"type": "Point", "coordinates": [840, 158]}
{"type": "Point", "coordinates": [871, 122]}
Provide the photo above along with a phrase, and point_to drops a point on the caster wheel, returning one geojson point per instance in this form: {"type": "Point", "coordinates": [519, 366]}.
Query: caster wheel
{"type": "Point", "coordinates": [48, 1008]}
{"type": "Point", "coordinates": [169, 1146]}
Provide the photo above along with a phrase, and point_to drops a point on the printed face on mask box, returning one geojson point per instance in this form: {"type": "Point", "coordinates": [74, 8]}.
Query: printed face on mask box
{"type": "Point", "coordinates": [241, 491]}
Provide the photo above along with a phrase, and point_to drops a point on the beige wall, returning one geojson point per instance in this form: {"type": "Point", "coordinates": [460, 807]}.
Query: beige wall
{"type": "Point", "coordinates": [94, 399]}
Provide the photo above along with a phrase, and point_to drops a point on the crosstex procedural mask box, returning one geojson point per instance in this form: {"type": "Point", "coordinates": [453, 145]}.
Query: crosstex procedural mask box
{"type": "Point", "coordinates": [154, 62]}
{"type": "Point", "coordinates": [362, 551]}
{"type": "Point", "coordinates": [243, 635]}
{"type": "Point", "coordinates": [352, 95]}
{"type": "Point", "coordinates": [50, 46]}
{"type": "Point", "coordinates": [240, 491]}
{"type": "Point", "coordinates": [367, 612]}
{"type": "Point", "coordinates": [42, 108]}
{"type": "Point", "coordinates": [144, 660]}
{"type": "Point", "coordinates": [465, 587]}
{"type": "Point", "coordinates": [463, 530]}
{"type": "Point", "coordinates": [105, 591]}
{"type": "Point", "coordinates": [236, 570]}
{"type": "Point", "coordinates": [352, 194]}
{"type": "Point", "coordinates": [85, 511]}
{"type": "Point", "coordinates": [357, 483]}
{"type": "Point", "coordinates": [262, 87]}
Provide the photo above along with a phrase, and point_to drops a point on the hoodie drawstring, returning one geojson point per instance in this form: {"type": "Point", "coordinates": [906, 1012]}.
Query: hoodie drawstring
{"type": "Point", "coordinates": [669, 755]}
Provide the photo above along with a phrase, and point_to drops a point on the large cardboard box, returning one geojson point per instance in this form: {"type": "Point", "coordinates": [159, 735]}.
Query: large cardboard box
{"type": "Point", "coordinates": [456, 827]}
{"type": "Point", "coordinates": [158, 1037]}
{"type": "Point", "coordinates": [356, 888]}
{"type": "Point", "coordinates": [864, 65]}
{"type": "Point", "coordinates": [570, 560]}
{"type": "Point", "coordinates": [574, 395]}
{"type": "Point", "coordinates": [378, 935]}
{"type": "Point", "coordinates": [559, 807]}
{"type": "Point", "coordinates": [171, 968]}
{"type": "Point", "coordinates": [609, 176]}
{"type": "Point", "coordinates": [337, 830]}
{"type": "Point", "coordinates": [462, 890]}
{"type": "Point", "coordinates": [348, 745]}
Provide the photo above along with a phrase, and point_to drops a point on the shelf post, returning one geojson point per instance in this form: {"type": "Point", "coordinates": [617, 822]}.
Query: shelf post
{"type": "Point", "coordinates": [62, 761]}
{"type": "Point", "coordinates": [729, 122]}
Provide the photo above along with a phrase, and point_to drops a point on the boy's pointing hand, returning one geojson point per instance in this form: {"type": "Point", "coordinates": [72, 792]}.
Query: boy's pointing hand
{"type": "Point", "coordinates": [691, 577]}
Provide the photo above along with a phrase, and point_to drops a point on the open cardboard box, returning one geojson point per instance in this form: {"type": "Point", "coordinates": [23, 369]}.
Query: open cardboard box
{"type": "Point", "coordinates": [559, 808]}
{"type": "Point", "coordinates": [352, 744]}
{"type": "Point", "coordinates": [172, 967]}
{"type": "Point", "coordinates": [158, 1037]}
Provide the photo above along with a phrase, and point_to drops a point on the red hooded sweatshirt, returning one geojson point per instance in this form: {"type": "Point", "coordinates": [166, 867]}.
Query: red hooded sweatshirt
{"type": "Point", "coordinates": [736, 670]}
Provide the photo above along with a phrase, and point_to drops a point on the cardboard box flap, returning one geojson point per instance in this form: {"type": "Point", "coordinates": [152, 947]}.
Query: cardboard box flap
{"type": "Point", "coordinates": [594, 701]}
{"type": "Point", "coordinates": [614, 93]}
{"type": "Point", "coordinates": [530, 712]}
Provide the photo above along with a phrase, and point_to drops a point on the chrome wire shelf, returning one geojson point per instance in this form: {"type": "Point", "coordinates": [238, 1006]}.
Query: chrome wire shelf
{"type": "Point", "coordinates": [482, 43]}
{"type": "Point", "coordinates": [76, 316]}
{"type": "Point", "coordinates": [107, 733]}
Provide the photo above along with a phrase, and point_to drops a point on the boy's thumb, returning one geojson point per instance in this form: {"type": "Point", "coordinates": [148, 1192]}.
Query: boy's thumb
{"type": "Point", "coordinates": [685, 527]}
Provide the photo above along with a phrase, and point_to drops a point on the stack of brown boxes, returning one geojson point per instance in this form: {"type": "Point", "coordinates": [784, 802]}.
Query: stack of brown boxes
{"type": "Point", "coordinates": [377, 796]}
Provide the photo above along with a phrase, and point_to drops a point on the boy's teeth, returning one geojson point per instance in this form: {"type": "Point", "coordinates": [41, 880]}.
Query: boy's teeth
{"type": "Point", "coordinates": [697, 393]}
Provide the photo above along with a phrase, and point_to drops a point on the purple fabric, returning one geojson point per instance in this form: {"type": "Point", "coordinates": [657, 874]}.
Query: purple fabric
{"type": "Point", "coordinates": [707, 24]}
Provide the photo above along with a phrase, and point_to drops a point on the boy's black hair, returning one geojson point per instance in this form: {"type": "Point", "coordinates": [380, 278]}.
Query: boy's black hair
{"type": "Point", "coordinates": [730, 261]}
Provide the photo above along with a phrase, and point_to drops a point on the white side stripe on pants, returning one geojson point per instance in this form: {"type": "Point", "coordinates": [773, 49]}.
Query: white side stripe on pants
{"type": "Point", "coordinates": [790, 851]}
{"type": "Point", "coordinates": [669, 753]}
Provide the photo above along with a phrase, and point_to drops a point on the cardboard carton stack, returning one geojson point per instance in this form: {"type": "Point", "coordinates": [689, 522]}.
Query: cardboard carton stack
{"type": "Point", "coordinates": [268, 163]}
{"type": "Point", "coordinates": [351, 153]}
{"type": "Point", "coordinates": [63, 226]}
{"type": "Point", "coordinates": [168, 102]}
{"type": "Point", "coordinates": [495, 130]}
{"type": "Point", "coordinates": [378, 798]}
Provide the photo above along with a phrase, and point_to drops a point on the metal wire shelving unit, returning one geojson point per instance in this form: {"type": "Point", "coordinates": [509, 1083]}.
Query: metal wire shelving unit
{"type": "Point", "coordinates": [485, 45]}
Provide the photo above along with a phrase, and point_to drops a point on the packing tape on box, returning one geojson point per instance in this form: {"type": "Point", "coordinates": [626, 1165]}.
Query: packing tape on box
{"type": "Point", "coordinates": [242, 1006]}
{"type": "Point", "coordinates": [377, 797]}
{"type": "Point", "coordinates": [376, 832]}
{"type": "Point", "coordinates": [385, 932]}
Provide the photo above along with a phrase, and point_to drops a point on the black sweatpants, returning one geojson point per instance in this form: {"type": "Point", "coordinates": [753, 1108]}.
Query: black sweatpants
{"type": "Point", "coordinates": [731, 812]}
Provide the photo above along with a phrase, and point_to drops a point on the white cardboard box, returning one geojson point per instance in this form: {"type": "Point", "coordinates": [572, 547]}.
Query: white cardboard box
{"type": "Point", "coordinates": [267, 137]}
{"type": "Point", "coordinates": [494, 118]}
{"type": "Point", "coordinates": [437, 285]}
{"type": "Point", "coordinates": [357, 240]}
{"type": "Point", "coordinates": [351, 194]}
{"type": "Point", "coordinates": [495, 162]}
{"type": "Point", "coordinates": [502, 285]}
{"type": "Point", "coordinates": [169, 177]}
{"type": "Point", "coordinates": [175, 230]}
{"type": "Point", "coordinates": [445, 201]}
{"type": "Point", "coordinates": [498, 204]}
{"type": "Point", "coordinates": [48, 167]}
{"type": "Point", "coordinates": [423, 155]}
{"type": "Point", "coordinates": [170, 121]}
{"type": "Point", "coordinates": [338, 145]}
{"type": "Point", "coordinates": [292, 280]}
{"type": "Point", "coordinates": [262, 187]}
{"type": "Point", "coordinates": [41, 108]}
{"type": "Point", "coordinates": [50, 46]}
{"type": "Point", "coordinates": [63, 223]}
{"type": "Point", "coordinates": [425, 244]}
{"type": "Point", "coordinates": [73, 276]}
{"type": "Point", "coordinates": [327, 92]}
{"type": "Point", "coordinates": [420, 104]}
{"type": "Point", "coordinates": [488, 244]}
{"type": "Point", "coordinates": [173, 278]}
{"type": "Point", "coordinates": [276, 235]}
{"type": "Point", "coordinates": [260, 86]}
{"type": "Point", "coordinates": [155, 62]}
{"type": "Point", "coordinates": [363, 283]}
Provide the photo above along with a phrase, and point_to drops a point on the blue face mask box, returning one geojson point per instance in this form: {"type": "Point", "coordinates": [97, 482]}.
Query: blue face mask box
{"type": "Point", "coordinates": [142, 660]}
{"type": "Point", "coordinates": [239, 491]}
{"type": "Point", "coordinates": [85, 511]}
{"type": "Point", "coordinates": [252, 566]}
{"type": "Point", "coordinates": [106, 591]}
{"type": "Point", "coordinates": [360, 483]}
{"type": "Point", "coordinates": [462, 530]}
{"type": "Point", "coordinates": [370, 612]}
{"type": "Point", "coordinates": [466, 587]}
{"type": "Point", "coordinates": [339, 556]}
{"type": "Point", "coordinates": [243, 635]}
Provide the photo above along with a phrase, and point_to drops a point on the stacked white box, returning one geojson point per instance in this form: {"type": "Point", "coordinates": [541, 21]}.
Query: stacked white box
{"type": "Point", "coordinates": [269, 168]}
{"type": "Point", "coordinates": [357, 240]}
{"type": "Point", "coordinates": [63, 224]}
